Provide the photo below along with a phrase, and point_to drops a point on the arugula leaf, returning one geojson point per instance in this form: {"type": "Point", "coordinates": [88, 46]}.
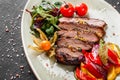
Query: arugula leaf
{"type": "Point", "coordinates": [50, 31]}
{"type": "Point", "coordinates": [42, 13]}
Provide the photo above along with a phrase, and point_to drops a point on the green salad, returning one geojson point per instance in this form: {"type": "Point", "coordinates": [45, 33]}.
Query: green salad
{"type": "Point", "coordinates": [45, 16]}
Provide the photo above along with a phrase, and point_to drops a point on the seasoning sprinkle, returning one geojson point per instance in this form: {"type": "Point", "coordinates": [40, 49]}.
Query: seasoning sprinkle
{"type": "Point", "coordinates": [17, 55]}
{"type": "Point", "coordinates": [12, 78]}
{"type": "Point", "coordinates": [18, 17]}
{"type": "Point", "coordinates": [17, 75]}
{"type": "Point", "coordinates": [118, 3]}
{"type": "Point", "coordinates": [21, 67]}
{"type": "Point", "coordinates": [6, 29]}
{"type": "Point", "coordinates": [114, 6]}
{"type": "Point", "coordinates": [29, 72]}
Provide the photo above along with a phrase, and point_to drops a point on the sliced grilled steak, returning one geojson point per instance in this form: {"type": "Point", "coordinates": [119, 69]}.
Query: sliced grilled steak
{"type": "Point", "coordinates": [67, 56]}
{"type": "Point", "coordinates": [70, 26]}
{"type": "Point", "coordinates": [89, 21]}
{"type": "Point", "coordinates": [77, 34]}
{"type": "Point", "coordinates": [84, 36]}
{"type": "Point", "coordinates": [73, 43]}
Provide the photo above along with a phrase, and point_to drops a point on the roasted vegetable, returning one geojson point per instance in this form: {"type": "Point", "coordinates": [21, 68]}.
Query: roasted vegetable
{"type": "Point", "coordinates": [83, 74]}
{"type": "Point", "coordinates": [112, 57]}
{"type": "Point", "coordinates": [94, 65]}
{"type": "Point", "coordinates": [114, 47]}
{"type": "Point", "coordinates": [111, 73]}
{"type": "Point", "coordinates": [94, 69]}
{"type": "Point", "coordinates": [94, 55]}
{"type": "Point", "coordinates": [103, 52]}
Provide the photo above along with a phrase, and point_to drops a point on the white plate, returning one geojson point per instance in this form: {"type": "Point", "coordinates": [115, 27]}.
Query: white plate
{"type": "Point", "coordinates": [45, 68]}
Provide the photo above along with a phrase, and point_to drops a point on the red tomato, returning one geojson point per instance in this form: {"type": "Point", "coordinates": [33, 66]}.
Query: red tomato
{"type": "Point", "coordinates": [81, 9]}
{"type": "Point", "coordinates": [67, 10]}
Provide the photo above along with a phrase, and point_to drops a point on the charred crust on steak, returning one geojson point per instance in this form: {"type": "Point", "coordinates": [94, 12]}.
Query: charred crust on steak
{"type": "Point", "coordinates": [77, 34]}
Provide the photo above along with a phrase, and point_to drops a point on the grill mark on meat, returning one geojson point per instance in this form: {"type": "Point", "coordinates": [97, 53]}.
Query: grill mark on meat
{"type": "Point", "coordinates": [77, 33]}
{"type": "Point", "coordinates": [69, 26]}
{"type": "Point", "coordinates": [69, 52]}
{"type": "Point", "coordinates": [66, 56]}
{"type": "Point", "coordinates": [73, 43]}
{"type": "Point", "coordinates": [84, 36]}
{"type": "Point", "coordinates": [89, 21]}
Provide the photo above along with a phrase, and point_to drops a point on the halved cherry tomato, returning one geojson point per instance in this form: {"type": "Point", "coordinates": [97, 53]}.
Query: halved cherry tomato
{"type": "Point", "coordinates": [45, 45]}
{"type": "Point", "coordinates": [67, 10]}
{"type": "Point", "coordinates": [81, 9]}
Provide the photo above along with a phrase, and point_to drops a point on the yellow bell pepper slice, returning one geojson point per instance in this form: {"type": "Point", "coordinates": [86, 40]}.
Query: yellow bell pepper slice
{"type": "Point", "coordinates": [111, 73]}
{"type": "Point", "coordinates": [117, 69]}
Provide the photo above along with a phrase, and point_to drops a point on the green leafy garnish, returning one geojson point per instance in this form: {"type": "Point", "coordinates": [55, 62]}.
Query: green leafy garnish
{"type": "Point", "coordinates": [45, 16]}
{"type": "Point", "coordinates": [50, 30]}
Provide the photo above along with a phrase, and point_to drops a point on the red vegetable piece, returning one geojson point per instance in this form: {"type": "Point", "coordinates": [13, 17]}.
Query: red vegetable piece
{"type": "Point", "coordinates": [81, 9]}
{"type": "Point", "coordinates": [82, 76]}
{"type": "Point", "coordinates": [94, 55]}
{"type": "Point", "coordinates": [77, 73]}
{"type": "Point", "coordinates": [94, 69]}
{"type": "Point", "coordinates": [67, 10]}
{"type": "Point", "coordinates": [95, 60]}
{"type": "Point", "coordinates": [108, 65]}
{"type": "Point", "coordinates": [113, 58]}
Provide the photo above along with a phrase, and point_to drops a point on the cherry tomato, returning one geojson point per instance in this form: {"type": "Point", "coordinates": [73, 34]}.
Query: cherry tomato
{"type": "Point", "coordinates": [81, 9]}
{"type": "Point", "coordinates": [45, 45]}
{"type": "Point", "coordinates": [67, 10]}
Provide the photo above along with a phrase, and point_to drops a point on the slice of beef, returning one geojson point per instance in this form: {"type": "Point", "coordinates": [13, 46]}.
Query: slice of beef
{"type": "Point", "coordinates": [84, 36]}
{"type": "Point", "coordinates": [70, 26]}
{"type": "Point", "coordinates": [73, 43]}
{"type": "Point", "coordinates": [89, 21]}
{"type": "Point", "coordinates": [69, 57]}
{"type": "Point", "coordinates": [69, 34]}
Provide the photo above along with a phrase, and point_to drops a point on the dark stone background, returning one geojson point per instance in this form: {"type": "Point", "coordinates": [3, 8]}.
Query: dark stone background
{"type": "Point", "coordinates": [13, 63]}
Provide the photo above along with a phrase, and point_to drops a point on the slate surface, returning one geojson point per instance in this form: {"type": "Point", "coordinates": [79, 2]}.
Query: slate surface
{"type": "Point", "coordinates": [13, 63]}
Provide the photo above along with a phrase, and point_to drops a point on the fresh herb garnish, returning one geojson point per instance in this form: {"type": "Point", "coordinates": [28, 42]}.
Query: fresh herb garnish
{"type": "Point", "coordinates": [45, 16]}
